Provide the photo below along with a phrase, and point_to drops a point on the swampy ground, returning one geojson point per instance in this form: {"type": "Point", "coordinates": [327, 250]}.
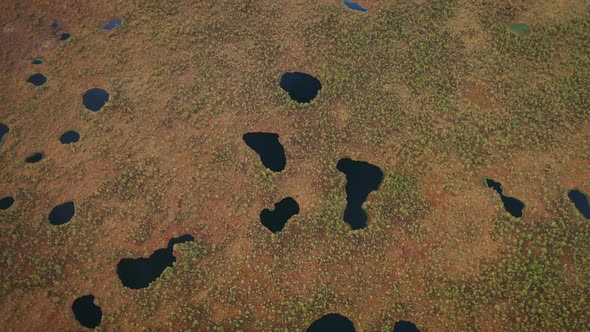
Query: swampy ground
{"type": "Point", "coordinates": [438, 94]}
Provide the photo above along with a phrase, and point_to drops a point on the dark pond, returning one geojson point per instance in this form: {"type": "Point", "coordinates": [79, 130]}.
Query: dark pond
{"type": "Point", "coordinates": [112, 24]}
{"type": "Point", "coordinates": [86, 312]}
{"type": "Point", "coordinates": [276, 219]}
{"type": "Point", "coordinates": [580, 200]}
{"type": "Point", "coordinates": [34, 158]}
{"type": "Point", "coordinates": [514, 206]}
{"type": "Point", "coordinates": [38, 61]}
{"type": "Point", "coordinates": [37, 79]}
{"type": "Point", "coordinates": [332, 323]}
{"type": "Point", "coordinates": [62, 214]}
{"type": "Point", "coordinates": [70, 136]}
{"type": "Point", "coordinates": [55, 24]}
{"type": "Point", "coordinates": [353, 6]}
{"type": "Point", "coordinates": [361, 179]}
{"type": "Point", "coordinates": [405, 326]}
{"type": "Point", "coordinates": [94, 99]}
{"type": "Point", "coordinates": [65, 36]}
{"type": "Point", "coordinates": [271, 151]}
{"type": "Point", "coordinates": [3, 130]}
{"type": "Point", "coordinates": [138, 273]}
{"type": "Point", "coordinates": [301, 87]}
{"type": "Point", "coordinates": [6, 203]}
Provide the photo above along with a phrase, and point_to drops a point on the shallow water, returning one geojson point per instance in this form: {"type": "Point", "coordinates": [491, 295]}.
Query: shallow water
{"type": "Point", "coordinates": [332, 323]}
{"type": "Point", "coordinates": [62, 213]}
{"type": "Point", "coordinates": [301, 87]}
{"type": "Point", "coordinates": [112, 24]}
{"type": "Point", "coordinates": [521, 28]}
{"type": "Point", "coordinates": [361, 179]}
{"type": "Point", "coordinates": [86, 312]}
{"type": "Point", "coordinates": [354, 6]}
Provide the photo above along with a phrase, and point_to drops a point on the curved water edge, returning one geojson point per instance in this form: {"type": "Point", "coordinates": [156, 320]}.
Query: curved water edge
{"type": "Point", "coordinates": [361, 179]}
{"type": "Point", "coordinates": [301, 87]}
{"type": "Point", "coordinates": [581, 201]}
{"type": "Point", "coordinates": [331, 323]}
{"type": "Point", "coordinates": [86, 312]}
{"type": "Point", "coordinates": [34, 158]}
{"type": "Point", "coordinates": [6, 202]}
{"type": "Point", "coordinates": [94, 99]}
{"type": "Point", "coordinates": [62, 213]}
{"type": "Point", "coordinates": [513, 205]}
{"type": "Point", "coordinates": [276, 219]}
{"type": "Point", "coordinates": [269, 148]}
{"type": "Point", "coordinates": [70, 136]}
{"type": "Point", "coordinates": [112, 24]}
{"type": "Point", "coordinates": [405, 326]}
{"type": "Point", "coordinates": [37, 79]}
{"type": "Point", "coordinates": [137, 273]}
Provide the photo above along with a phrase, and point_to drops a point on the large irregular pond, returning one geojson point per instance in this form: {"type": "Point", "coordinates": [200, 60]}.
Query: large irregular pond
{"type": "Point", "coordinates": [112, 24]}
{"type": "Point", "coordinates": [6, 203]}
{"type": "Point", "coordinates": [513, 205]}
{"type": "Point", "coordinates": [276, 219]}
{"type": "Point", "coordinates": [137, 273]}
{"type": "Point", "coordinates": [3, 131]}
{"type": "Point", "coordinates": [580, 200]}
{"type": "Point", "coordinates": [37, 79]}
{"type": "Point", "coordinates": [86, 312]}
{"type": "Point", "coordinates": [361, 179]}
{"type": "Point", "coordinates": [34, 158]}
{"type": "Point", "coordinates": [94, 99]}
{"type": "Point", "coordinates": [354, 6]}
{"type": "Point", "coordinates": [405, 326]}
{"type": "Point", "coordinates": [302, 88]}
{"type": "Point", "coordinates": [332, 323]}
{"type": "Point", "coordinates": [62, 213]}
{"type": "Point", "coordinates": [268, 147]}
{"type": "Point", "coordinates": [69, 137]}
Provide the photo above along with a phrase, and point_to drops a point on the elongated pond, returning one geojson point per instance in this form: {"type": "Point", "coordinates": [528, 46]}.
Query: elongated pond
{"type": "Point", "coordinates": [581, 202]}
{"type": "Point", "coordinates": [62, 213]}
{"type": "Point", "coordinates": [513, 205]}
{"type": "Point", "coordinates": [354, 6]}
{"type": "Point", "coordinates": [37, 79]}
{"type": "Point", "coordinates": [6, 202]}
{"type": "Point", "coordinates": [34, 158]}
{"type": "Point", "coordinates": [69, 137]}
{"type": "Point", "coordinates": [361, 179]}
{"type": "Point", "coordinates": [137, 273]}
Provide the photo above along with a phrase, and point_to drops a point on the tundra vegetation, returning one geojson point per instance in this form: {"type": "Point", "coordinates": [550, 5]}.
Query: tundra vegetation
{"type": "Point", "coordinates": [438, 94]}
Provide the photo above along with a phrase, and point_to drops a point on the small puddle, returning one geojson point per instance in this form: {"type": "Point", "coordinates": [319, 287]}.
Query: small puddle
{"type": "Point", "coordinates": [86, 312]}
{"type": "Point", "coordinates": [34, 158]}
{"type": "Point", "coordinates": [94, 99]}
{"type": "Point", "coordinates": [302, 88]}
{"type": "Point", "coordinates": [354, 6]}
{"type": "Point", "coordinates": [513, 205]}
{"type": "Point", "coordinates": [112, 24]}
{"type": "Point", "coordinates": [38, 60]}
{"type": "Point", "coordinates": [521, 29]}
{"type": "Point", "coordinates": [268, 147]}
{"type": "Point", "coordinates": [70, 136]}
{"type": "Point", "coordinates": [276, 219]}
{"type": "Point", "coordinates": [65, 36]}
{"type": "Point", "coordinates": [6, 203]}
{"type": "Point", "coordinates": [62, 214]}
{"type": "Point", "coordinates": [332, 323]}
{"type": "Point", "coordinates": [361, 179]}
{"type": "Point", "coordinates": [137, 273]}
{"type": "Point", "coordinates": [580, 200]}
{"type": "Point", "coordinates": [37, 79]}
{"type": "Point", "coordinates": [405, 326]}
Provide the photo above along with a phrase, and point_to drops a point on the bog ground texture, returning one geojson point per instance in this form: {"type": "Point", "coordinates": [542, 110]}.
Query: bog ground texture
{"type": "Point", "coordinates": [439, 94]}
